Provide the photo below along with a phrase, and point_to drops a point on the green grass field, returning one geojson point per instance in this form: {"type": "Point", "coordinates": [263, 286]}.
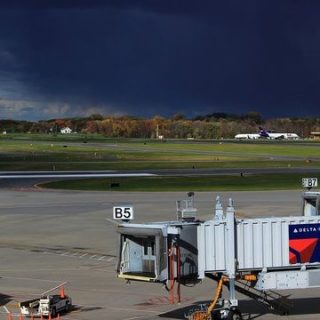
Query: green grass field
{"type": "Point", "coordinates": [211, 183]}
{"type": "Point", "coordinates": [84, 152]}
{"type": "Point", "coordinates": [30, 154]}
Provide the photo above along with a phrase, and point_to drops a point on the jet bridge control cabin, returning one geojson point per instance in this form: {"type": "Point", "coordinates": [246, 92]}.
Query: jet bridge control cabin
{"type": "Point", "coordinates": [145, 251]}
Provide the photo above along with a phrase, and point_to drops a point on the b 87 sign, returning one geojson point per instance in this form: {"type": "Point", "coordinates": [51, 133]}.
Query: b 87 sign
{"type": "Point", "coordinates": [123, 213]}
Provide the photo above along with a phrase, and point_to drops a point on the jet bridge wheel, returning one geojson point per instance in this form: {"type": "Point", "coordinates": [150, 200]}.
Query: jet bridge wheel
{"type": "Point", "coordinates": [234, 314]}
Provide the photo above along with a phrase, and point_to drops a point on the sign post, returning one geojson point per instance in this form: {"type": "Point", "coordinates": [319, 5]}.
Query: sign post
{"type": "Point", "coordinates": [124, 213]}
{"type": "Point", "coordinates": [309, 183]}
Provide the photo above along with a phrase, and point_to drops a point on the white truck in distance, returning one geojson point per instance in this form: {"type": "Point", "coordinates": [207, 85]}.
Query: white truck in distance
{"type": "Point", "coordinates": [45, 306]}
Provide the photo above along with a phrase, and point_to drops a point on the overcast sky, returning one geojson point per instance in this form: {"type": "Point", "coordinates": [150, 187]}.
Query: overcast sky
{"type": "Point", "coordinates": [66, 58]}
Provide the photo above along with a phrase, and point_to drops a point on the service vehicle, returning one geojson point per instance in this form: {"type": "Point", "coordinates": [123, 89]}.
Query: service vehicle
{"type": "Point", "coordinates": [46, 305]}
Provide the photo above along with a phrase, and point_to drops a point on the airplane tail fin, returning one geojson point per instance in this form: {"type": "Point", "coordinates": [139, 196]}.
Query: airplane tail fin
{"type": "Point", "coordinates": [264, 133]}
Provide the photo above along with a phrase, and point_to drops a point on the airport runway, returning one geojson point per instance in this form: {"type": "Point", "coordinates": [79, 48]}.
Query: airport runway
{"type": "Point", "coordinates": [20, 179]}
{"type": "Point", "coordinates": [48, 237]}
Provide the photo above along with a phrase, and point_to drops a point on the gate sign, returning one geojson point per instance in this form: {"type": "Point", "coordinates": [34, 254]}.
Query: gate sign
{"type": "Point", "coordinates": [309, 182]}
{"type": "Point", "coordinates": [123, 213]}
{"type": "Point", "coordinates": [304, 243]}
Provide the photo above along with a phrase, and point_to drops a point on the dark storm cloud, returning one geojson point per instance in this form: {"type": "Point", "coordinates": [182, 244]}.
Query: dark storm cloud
{"type": "Point", "coordinates": [161, 57]}
{"type": "Point", "coordinates": [158, 6]}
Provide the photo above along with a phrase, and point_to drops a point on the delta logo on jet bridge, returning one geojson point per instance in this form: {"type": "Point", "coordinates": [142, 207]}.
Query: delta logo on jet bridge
{"type": "Point", "coordinates": [304, 243]}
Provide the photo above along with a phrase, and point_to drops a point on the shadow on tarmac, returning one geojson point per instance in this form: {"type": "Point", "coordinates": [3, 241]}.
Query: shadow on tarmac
{"type": "Point", "coordinates": [4, 299]}
{"type": "Point", "coordinates": [85, 309]}
{"type": "Point", "coordinates": [253, 310]}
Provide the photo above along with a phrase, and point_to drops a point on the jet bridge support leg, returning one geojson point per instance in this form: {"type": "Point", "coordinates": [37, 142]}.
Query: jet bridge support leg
{"type": "Point", "coordinates": [218, 309]}
{"type": "Point", "coordinates": [231, 253]}
{"type": "Point", "coordinates": [229, 307]}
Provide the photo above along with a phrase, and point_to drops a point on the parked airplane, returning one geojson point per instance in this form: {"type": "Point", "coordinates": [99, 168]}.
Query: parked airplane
{"type": "Point", "coordinates": [247, 136]}
{"type": "Point", "coordinates": [268, 135]}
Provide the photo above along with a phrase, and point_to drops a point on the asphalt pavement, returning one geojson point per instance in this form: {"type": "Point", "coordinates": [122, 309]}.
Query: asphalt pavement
{"type": "Point", "coordinates": [21, 179]}
{"type": "Point", "coordinates": [49, 237]}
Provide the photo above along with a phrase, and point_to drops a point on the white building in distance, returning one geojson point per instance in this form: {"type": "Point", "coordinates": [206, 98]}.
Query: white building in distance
{"type": "Point", "coordinates": [66, 130]}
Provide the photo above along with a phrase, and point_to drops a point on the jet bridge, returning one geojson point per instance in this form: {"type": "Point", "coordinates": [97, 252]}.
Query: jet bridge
{"type": "Point", "coordinates": [271, 253]}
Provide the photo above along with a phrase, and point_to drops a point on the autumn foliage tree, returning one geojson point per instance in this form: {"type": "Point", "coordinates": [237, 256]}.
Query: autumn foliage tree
{"type": "Point", "coordinates": [211, 126]}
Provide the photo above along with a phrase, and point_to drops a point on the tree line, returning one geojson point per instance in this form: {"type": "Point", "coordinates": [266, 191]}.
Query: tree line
{"type": "Point", "coordinates": [210, 126]}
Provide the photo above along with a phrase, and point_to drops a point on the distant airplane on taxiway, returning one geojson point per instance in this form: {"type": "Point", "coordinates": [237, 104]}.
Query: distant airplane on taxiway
{"type": "Point", "coordinates": [266, 134]}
